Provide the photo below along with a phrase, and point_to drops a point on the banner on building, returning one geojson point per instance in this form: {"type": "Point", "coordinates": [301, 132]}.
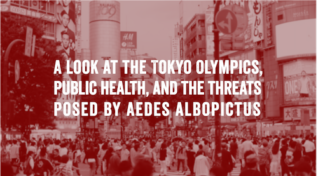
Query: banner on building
{"type": "Point", "coordinates": [258, 33]}
{"type": "Point", "coordinates": [175, 47]}
{"type": "Point", "coordinates": [128, 39]}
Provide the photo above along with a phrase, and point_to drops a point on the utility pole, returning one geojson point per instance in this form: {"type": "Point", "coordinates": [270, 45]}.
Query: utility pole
{"type": "Point", "coordinates": [217, 78]}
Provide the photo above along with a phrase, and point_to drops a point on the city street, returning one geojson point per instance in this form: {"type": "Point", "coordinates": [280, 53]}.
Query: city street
{"type": "Point", "coordinates": [84, 170]}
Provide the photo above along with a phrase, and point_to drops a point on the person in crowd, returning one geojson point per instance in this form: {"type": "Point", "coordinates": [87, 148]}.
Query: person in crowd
{"type": "Point", "coordinates": [29, 164]}
{"type": "Point", "coordinates": [114, 161]}
{"type": "Point", "coordinates": [181, 156]}
{"type": "Point", "coordinates": [217, 171]}
{"type": "Point", "coordinates": [170, 155]}
{"type": "Point", "coordinates": [303, 168]}
{"type": "Point", "coordinates": [283, 151]}
{"type": "Point", "coordinates": [275, 166]}
{"type": "Point", "coordinates": [91, 156]}
{"type": "Point", "coordinates": [190, 157]}
{"type": "Point", "coordinates": [22, 152]}
{"type": "Point", "coordinates": [43, 166]}
{"type": "Point", "coordinates": [250, 159]}
{"type": "Point", "coordinates": [264, 157]}
{"type": "Point", "coordinates": [144, 167]}
{"type": "Point", "coordinates": [125, 168]}
{"type": "Point", "coordinates": [310, 148]}
{"type": "Point", "coordinates": [162, 158]}
{"type": "Point", "coordinates": [124, 155]}
{"type": "Point", "coordinates": [196, 146]}
{"type": "Point", "coordinates": [201, 164]}
{"type": "Point", "coordinates": [77, 158]}
{"type": "Point", "coordinates": [233, 147]}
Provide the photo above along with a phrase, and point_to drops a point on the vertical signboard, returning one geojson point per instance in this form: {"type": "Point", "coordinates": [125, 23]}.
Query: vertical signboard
{"type": "Point", "coordinates": [268, 26]}
{"type": "Point", "coordinates": [258, 33]}
{"type": "Point", "coordinates": [128, 39]}
{"type": "Point", "coordinates": [175, 44]}
{"type": "Point", "coordinates": [209, 15]}
{"type": "Point", "coordinates": [28, 41]}
{"type": "Point", "coordinates": [65, 36]}
{"type": "Point", "coordinates": [78, 7]}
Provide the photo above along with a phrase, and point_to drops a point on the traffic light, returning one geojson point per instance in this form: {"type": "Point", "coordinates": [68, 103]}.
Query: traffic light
{"type": "Point", "coordinates": [228, 42]}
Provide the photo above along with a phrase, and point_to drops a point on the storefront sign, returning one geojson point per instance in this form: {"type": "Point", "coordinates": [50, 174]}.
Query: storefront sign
{"type": "Point", "coordinates": [268, 26]}
{"type": "Point", "coordinates": [294, 113]}
{"type": "Point", "coordinates": [128, 39]}
{"type": "Point", "coordinates": [30, 13]}
{"type": "Point", "coordinates": [258, 33]}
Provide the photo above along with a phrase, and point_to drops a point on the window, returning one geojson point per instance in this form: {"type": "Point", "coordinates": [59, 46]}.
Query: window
{"type": "Point", "coordinates": [201, 23]}
{"type": "Point", "coordinates": [34, 4]}
{"type": "Point", "coordinates": [193, 27]}
{"type": "Point", "coordinates": [51, 7]}
{"type": "Point", "coordinates": [48, 29]}
{"type": "Point", "coordinates": [43, 5]}
{"type": "Point", "coordinates": [15, 2]}
{"type": "Point", "coordinates": [25, 3]}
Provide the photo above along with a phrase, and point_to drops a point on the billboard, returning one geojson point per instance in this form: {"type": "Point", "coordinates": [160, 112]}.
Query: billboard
{"type": "Point", "coordinates": [300, 82]}
{"type": "Point", "coordinates": [65, 29]}
{"type": "Point", "coordinates": [295, 29]}
{"type": "Point", "coordinates": [128, 39]}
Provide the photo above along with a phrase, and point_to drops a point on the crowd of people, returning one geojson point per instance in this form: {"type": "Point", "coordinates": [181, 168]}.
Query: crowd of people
{"type": "Point", "coordinates": [267, 156]}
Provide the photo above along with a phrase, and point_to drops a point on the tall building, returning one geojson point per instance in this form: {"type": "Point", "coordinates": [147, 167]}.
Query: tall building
{"type": "Point", "coordinates": [104, 36]}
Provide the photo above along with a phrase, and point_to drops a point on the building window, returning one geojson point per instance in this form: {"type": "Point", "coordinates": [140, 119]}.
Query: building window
{"type": "Point", "coordinates": [201, 23]}
{"type": "Point", "coordinates": [43, 5]}
{"type": "Point", "coordinates": [48, 29]}
{"type": "Point", "coordinates": [51, 7]}
{"type": "Point", "coordinates": [35, 4]}
{"type": "Point", "coordinates": [15, 2]}
{"type": "Point", "coordinates": [193, 27]}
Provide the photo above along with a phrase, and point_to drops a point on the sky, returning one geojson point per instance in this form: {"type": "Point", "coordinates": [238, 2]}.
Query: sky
{"type": "Point", "coordinates": [153, 21]}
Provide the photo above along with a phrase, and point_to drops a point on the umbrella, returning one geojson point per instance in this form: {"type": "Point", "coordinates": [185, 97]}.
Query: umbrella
{"type": "Point", "coordinates": [177, 139]}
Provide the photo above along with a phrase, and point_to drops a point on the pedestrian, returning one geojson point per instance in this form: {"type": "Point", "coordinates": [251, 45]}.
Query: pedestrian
{"type": "Point", "coordinates": [125, 168]}
{"type": "Point", "coordinates": [190, 157]}
{"type": "Point", "coordinates": [201, 164]}
{"type": "Point", "coordinates": [250, 159]}
{"type": "Point", "coordinates": [43, 166]}
{"type": "Point", "coordinates": [124, 155]}
{"type": "Point", "coordinates": [283, 151]}
{"type": "Point", "coordinates": [264, 159]}
{"type": "Point", "coordinates": [181, 157]}
{"type": "Point", "coordinates": [144, 167]}
{"type": "Point", "coordinates": [113, 165]}
{"type": "Point", "coordinates": [162, 158]}
{"type": "Point", "coordinates": [275, 167]}
{"type": "Point", "coordinates": [29, 164]}
{"type": "Point", "coordinates": [77, 158]}
{"type": "Point", "coordinates": [226, 159]}
{"type": "Point", "coordinates": [303, 168]}
{"type": "Point", "coordinates": [91, 158]}
{"type": "Point", "coordinates": [22, 152]}
{"type": "Point", "coordinates": [217, 171]}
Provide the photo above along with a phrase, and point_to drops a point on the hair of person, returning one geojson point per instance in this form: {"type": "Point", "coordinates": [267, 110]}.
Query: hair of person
{"type": "Point", "coordinates": [163, 145]}
{"type": "Point", "coordinates": [190, 145]}
{"type": "Point", "coordinates": [63, 13]}
{"type": "Point", "coordinates": [64, 159]}
{"type": "Point", "coordinates": [275, 148]}
{"type": "Point", "coordinates": [200, 152]}
{"type": "Point", "coordinates": [265, 144]}
{"type": "Point", "coordinates": [200, 146]}
{"type": "Point", "coordinates": [305, 158]}
{"type": "Point", "coordinates": [105, 145]}
{"type": "Point", "coordinates": [196, 142]}
{"type": "Point", "coordinates": [30, 153]}
{"type": "Point", "coordinates": [247, 153]}
{"type": "Point", "coordinates": [136, 146]}
{"type": "Point", "coordinates": [124, 166]}
{"type": "Point", "coordinates": [64, 33]}
{"type": "Point", "coordinates": [144, 167]}
{"type": "Point", "coordinates": [43, 152]}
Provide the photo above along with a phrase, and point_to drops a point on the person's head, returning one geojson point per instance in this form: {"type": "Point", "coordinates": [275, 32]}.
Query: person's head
{"type": "Point", "coordinates": [137, 146]}
{"type": "Point", "coordinates": [31, 154]}
{"type": "Point", "coordinates": [265, 144]}
{"type": "Point", "coordinates": [144, 167]}
{"type": "Point", "coordinates": [65, 18]}
{"type": "Point", "coordinates": [250, 159]}
{"type": "Point", "coordinates": [201, 147]}
{"type": "Point", "coordinates": [200, 152]}
{"type": "Point", "coordinates": [217, 171]}
{"type": "Point", "coordinates": [65, 40]}
{"type": "Point", "coordinates": [224, 146]}
{"type": "Point", "coordinates": [302, 168]}
{"type": "Point", "coordinates": [64, 159]}
{"type": "Point", "coordinates": [303, 73]}
{"type": "Point", "coordinates": [190, 145]}
{"type": "Point", "coordinates": [163, 145]}
{"type": "Point", "coordinates": [55, 152]}
{"type": "Point", "coordinates": [125, 168]}
{"type": "Point", "coordinates": [196, 142]}
{"type": "Point", "coordinates": [43, 152]}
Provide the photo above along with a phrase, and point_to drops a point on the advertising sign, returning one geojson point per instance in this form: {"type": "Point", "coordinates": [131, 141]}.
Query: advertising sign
{"type": "Point", "coordinates": [268, 26]}
{"type": "Point", "coordinates": [209, 18]}
{"type": "Point", "coordinates": [128, 40]}
{"type": "Point", "coordinates": [294, 113]}
{"type": "Point", "coordinates": [258, 33]}
{"type": "Point", "coordinates": [289, 16]}
{"type": "Point", "coordinates": [28, 41]}
{"type": "Point", "coordinates": [175, 44]}
{"type": "Point", "coordinates": [65, 29]}
{"type": "Point", "coordinates": [104, 10]}
{"type": "Point", "coordinates": [300, 82]}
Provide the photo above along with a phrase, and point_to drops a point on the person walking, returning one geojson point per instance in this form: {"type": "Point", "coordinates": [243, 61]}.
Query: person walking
{"type": "Point", "coordinates": [190, 157]}
{"type": "Point", "coordinates": [181, 156]}
{"type": "Point", "coordinates": [162, 159]}
{"type": "Point", "coordinates": [275, 167]}
{"type": "Point", "coordinates": [201, 165]}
